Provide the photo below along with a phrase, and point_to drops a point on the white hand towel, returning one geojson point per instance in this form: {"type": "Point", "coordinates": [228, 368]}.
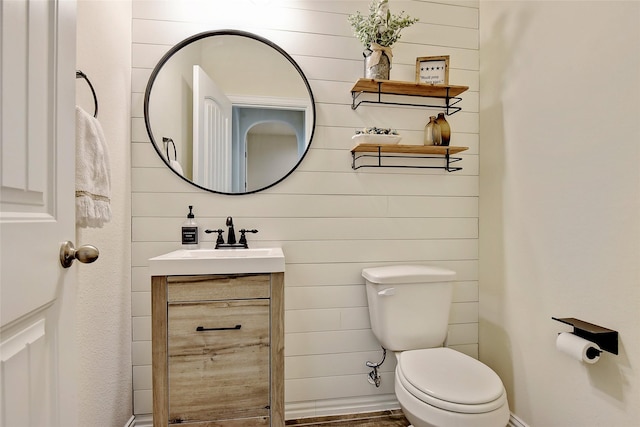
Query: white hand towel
{"type": "Point", "coordinates": [176, 166]}
{"type": "Point", "coordinates": [93, 172]}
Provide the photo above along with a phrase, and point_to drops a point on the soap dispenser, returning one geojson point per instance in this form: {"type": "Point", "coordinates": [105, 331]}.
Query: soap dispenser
{"type": "Point", "coordinates": [190, 231]}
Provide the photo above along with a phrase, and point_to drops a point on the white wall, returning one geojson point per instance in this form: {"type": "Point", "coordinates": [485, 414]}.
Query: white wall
{"type": "Point", "coordinates": [330, 221]}
{"type": "Point", "coordinates": [560, 204]}
{"type": "Point", "coordinates": [104, 288]}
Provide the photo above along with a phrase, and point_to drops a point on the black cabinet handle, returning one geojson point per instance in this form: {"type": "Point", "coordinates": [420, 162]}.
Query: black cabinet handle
{"type": "Point", "coordinates": [203, 329]}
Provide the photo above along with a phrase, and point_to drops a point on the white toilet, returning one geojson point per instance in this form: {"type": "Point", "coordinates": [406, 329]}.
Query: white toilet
{"type": "Point", "coordinates": [436, 386]}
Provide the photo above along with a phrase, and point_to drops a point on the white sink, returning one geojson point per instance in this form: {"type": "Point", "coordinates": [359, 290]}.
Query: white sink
{"type": "Point", "coordinates": [217, 261]}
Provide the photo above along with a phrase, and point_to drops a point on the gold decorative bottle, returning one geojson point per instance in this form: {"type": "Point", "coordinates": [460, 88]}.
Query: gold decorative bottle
{"type": "Point", "coordinates": [445, 129]}
{"type": "Point", "coordinates": [432, 135]}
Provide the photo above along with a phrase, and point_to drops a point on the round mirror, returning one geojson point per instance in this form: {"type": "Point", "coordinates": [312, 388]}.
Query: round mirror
{"type": "Point", "coordinates": [229, 112]}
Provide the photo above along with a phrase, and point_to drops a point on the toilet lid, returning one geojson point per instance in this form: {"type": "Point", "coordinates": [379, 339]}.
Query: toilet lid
{"type": "Point", "coordinates": [405, 274]}
{"type": "Point", "coordinates": [448, 375]}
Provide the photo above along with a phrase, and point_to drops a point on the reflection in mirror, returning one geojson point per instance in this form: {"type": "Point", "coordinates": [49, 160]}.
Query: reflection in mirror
{"type": "Point", "coordinates": [236, 107]}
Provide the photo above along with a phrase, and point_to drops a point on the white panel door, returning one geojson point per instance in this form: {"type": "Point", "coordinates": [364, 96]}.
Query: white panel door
{"type": "Point", "coordinates": [212, 112]}
{"type": "Point", "coordinates": [37, 155]}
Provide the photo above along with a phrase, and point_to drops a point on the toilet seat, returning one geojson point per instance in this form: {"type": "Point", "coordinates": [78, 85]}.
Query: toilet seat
{"type": "Point", "coordinates": [450, 380]}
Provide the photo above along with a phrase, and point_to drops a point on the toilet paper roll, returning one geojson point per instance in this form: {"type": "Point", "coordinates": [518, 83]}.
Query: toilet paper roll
{"type": "Point", "coordinates": [578, 348]}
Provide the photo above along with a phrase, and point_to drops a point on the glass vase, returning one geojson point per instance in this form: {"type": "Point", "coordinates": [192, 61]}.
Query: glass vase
{"type": "Point", "coordinates": [432, 134]}
{"type": "Point", "coordinates": [445, 129]}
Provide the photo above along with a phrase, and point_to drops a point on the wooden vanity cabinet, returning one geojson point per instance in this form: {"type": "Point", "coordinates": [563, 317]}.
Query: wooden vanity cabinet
{"type": "Point", "coordinates": [218, 350]}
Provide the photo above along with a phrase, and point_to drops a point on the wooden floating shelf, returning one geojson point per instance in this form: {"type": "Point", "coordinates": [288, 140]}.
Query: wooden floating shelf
{"type": "Point", "coordinates": [396, 87]}
{"type": "Point", "coordinates": [407, 149]}
{"type": "Point", "coordinates": [381, 151]}
{"type": "Point", "coordinates": [393, 87]}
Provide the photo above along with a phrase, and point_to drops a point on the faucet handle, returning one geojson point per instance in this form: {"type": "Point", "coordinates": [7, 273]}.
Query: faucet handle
{"type": "Point", "coordinates": [220, 239]}
{"type": "Point", "coordinates": [243, 238]}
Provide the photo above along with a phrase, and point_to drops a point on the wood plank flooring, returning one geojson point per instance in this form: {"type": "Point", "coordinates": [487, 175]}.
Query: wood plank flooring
{"type": "Point", "coordinates": [393, 418]}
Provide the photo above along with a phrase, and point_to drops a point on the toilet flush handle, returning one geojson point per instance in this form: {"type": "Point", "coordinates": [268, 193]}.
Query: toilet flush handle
{"type": "Point", "coordinates": [387, 292]}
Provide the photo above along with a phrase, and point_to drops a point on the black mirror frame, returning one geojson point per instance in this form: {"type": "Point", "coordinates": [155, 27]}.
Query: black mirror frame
{"type": "Point", "coordinates": [211, 33]}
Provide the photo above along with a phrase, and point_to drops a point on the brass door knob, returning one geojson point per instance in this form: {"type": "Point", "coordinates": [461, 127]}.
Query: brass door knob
{"type": "Point", "coordinates": [85, 254]}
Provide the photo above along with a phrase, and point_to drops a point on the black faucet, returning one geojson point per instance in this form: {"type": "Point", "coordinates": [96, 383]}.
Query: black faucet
{"type": "Point", "coordinates": [231, 236]}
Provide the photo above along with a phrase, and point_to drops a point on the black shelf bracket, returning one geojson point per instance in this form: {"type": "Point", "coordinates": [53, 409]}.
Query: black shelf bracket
{"type": "Point", "coordinates": [606, 338]}
{"type": "Point", "coordinates": [379, 156]}
{"type": "Point", "coordinates": [449, 107]}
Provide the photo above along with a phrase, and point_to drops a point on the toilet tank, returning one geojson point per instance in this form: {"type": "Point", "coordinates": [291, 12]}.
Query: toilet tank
{"type": "Point", "coordinates": [409, 305]}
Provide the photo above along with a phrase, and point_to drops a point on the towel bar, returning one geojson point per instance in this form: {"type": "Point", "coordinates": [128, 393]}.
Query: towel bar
{"type": "Point", "coordinates": [81, 75]}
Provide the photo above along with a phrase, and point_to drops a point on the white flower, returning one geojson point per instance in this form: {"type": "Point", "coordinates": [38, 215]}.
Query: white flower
{"type": "Point", "coordinates": [382, 14]}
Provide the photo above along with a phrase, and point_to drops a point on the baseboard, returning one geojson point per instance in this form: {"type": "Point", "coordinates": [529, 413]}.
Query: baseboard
{"type": "Point", "coordinates": [516, 422]}
{"type": "Point", "coordinates": [320, 408]}
{"type": "Point", "coordinates": [140, 421]}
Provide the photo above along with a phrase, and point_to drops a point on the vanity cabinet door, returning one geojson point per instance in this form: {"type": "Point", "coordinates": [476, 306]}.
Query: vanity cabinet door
{"type": "Point", "coordinates": [218, 370]}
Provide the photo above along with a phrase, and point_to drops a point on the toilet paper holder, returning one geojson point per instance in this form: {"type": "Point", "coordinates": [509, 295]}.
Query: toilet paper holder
{"type": "Point", "coordinates": [606, 338]}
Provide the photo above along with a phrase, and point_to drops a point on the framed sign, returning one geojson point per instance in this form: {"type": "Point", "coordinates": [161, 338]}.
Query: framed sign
{"type": "Point", "coordinates": [432, 70]}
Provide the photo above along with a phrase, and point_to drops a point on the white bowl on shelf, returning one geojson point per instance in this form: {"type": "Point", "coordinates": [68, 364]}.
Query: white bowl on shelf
{"type": "Point", "coordinates": [373, 138]}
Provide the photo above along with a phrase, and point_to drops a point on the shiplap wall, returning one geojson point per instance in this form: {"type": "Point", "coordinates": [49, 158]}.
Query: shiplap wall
{"type": "Point", "coordinates": [330, 221]}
